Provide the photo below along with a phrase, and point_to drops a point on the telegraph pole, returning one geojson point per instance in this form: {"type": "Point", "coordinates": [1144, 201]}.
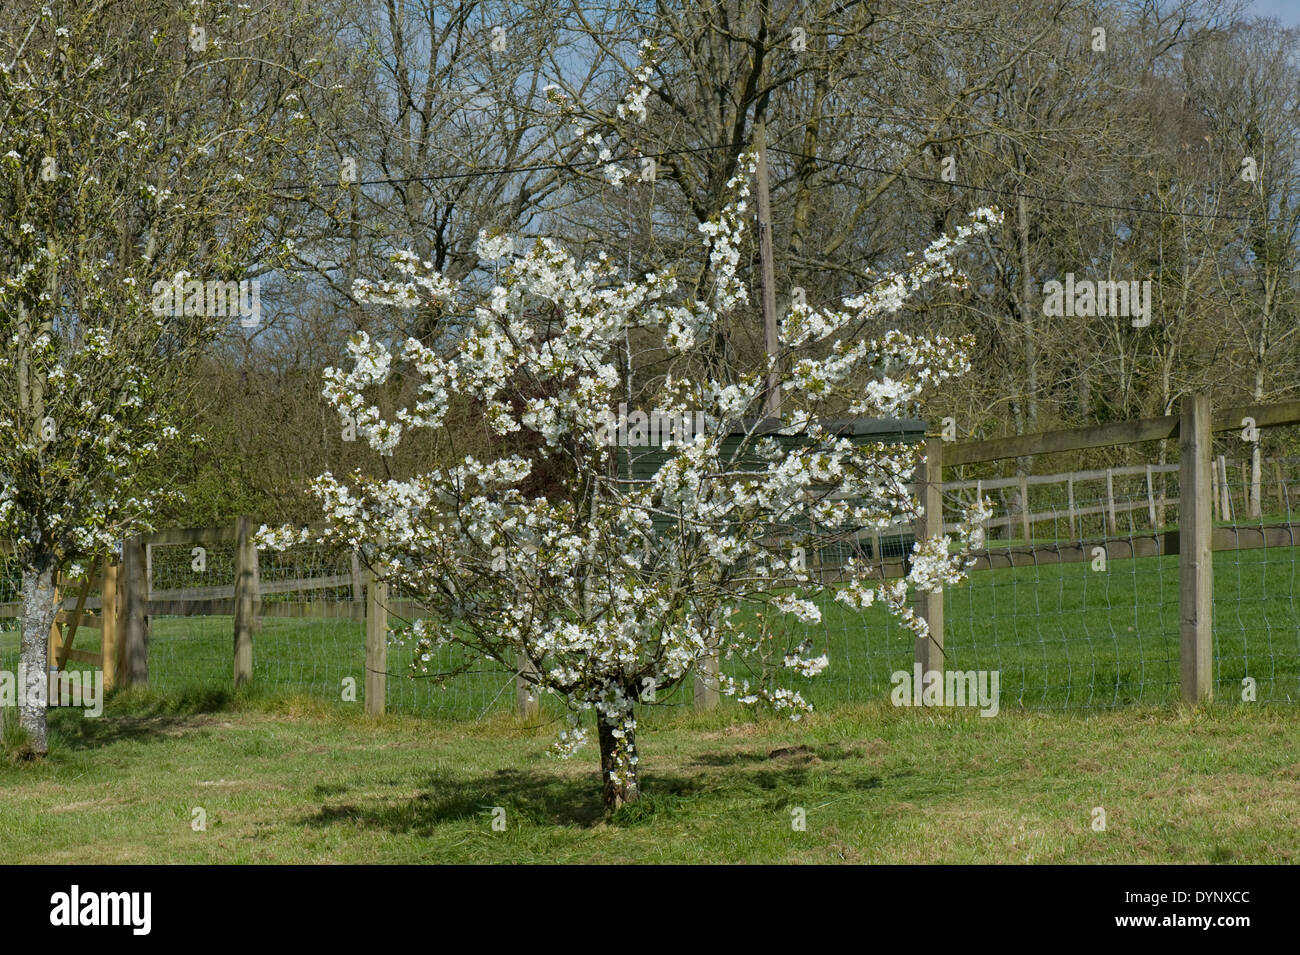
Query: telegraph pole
{"type": "Point", "coordinates": [773, 405]}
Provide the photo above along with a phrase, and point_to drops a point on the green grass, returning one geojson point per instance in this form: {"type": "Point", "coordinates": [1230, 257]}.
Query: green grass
{"type": "Point", "coordinates": [1062, 636]}
{"type": "Point", "coordinates": [295, 781]}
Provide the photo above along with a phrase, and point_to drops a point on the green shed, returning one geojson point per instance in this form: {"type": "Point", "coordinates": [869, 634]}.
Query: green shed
{"type": "Point", "coordinates": [640, 455]}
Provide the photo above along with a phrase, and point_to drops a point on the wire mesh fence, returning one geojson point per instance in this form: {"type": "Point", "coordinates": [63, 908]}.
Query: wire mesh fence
{"type": "Point", "coordinates": [85, 638]}
{"type": "Point", "coordinates": [1083, 610]}
{"type": "Point", "coordinates": [1075, 599]}
{"type": "Point", "coordinates": [457, 685]}
{"type": "Point", "coordinates": [11, 584]}
{"type": "Point", "coordinates": [1074, 602]}
{"type": "Point", "coordinates": [312, 625]}
{"type": "Point", "coordinates": [310, 637]}
{"type": "Point", "coordinates": [1256, 615]}
{"type": "Point", "coordinates": [190, 653]}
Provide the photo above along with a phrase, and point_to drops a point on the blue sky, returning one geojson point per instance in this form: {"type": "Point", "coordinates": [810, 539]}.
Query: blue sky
{"type": "Point", "coordinates": [1288, 11]}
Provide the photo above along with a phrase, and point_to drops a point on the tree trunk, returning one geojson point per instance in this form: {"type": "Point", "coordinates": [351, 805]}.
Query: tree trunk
{"type": "Point", "coordinates": [618, 771]}
{"type": "Point", "coordinates": [1256, 509]}
{"type": "Point", "coordinates": [1256, 498]}
{"type": "Point", "coordinates": [39, 610]}
{"type": "Point", "coordinates": [1028, 291]}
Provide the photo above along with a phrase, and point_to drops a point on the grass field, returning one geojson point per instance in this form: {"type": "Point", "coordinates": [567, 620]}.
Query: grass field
{"type": "Point", "coordinates": [1062, 636]}
{"type": "Point", "coordinates": [287, 772]}
{"type": "Point", "coordinates": [295, 780]}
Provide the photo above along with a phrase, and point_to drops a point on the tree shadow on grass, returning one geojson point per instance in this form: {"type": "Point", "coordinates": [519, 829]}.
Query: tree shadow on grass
{"type": "Point", "coordinates": [146, 719]}
{"type": "Point", "coordinates": [537, 797]}
{"type": "Point", "coordinates": [554, 800]}
{"type": "Point", "coordinates": [797, 755]}
{"type": "Point", "coordinates": [88, 734]}
{"type": "Point", "coordinates": [145, 702]}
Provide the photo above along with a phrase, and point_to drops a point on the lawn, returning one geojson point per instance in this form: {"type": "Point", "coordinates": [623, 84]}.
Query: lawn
{"type": "Point", "coordinates": [294, 780]}
{"type": "Point", "coordinates": [287, 771]}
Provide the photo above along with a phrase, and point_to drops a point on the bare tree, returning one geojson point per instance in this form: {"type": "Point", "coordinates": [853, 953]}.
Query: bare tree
{"type": "Point", "coordinates": [1245, 85]}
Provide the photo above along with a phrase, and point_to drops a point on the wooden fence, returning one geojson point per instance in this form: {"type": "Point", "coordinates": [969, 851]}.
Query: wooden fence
{"type": "Point", "coordinates": [1194, 541]}
{"type": "Point", "coordinates": [1150, 505]}
{"type": "Point", "coordinates": [128, 597]}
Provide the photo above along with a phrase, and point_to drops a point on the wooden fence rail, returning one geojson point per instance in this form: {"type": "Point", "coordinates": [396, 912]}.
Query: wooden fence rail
{"type": "Point", "coordinates": [128, 597]}
{"type": "Point", "coordinates": [1197, 535]}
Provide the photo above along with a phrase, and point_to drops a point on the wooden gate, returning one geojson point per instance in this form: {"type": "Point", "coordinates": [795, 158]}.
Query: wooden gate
{"type": "Point", "coordinates": [104, 573]}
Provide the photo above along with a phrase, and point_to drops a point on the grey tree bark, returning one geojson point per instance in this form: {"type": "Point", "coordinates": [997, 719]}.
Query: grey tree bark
{"type": "Point", "coordinates": [39, 610]}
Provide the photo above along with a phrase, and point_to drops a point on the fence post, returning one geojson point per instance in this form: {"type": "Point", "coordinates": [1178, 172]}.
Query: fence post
{"type": "Point", "coordinates": [1195, 551]}
{"type": "Point", "coordinates": [929, 492]}
{"type": "Point", "coordinates": [133, 623]}
{"type": "Point", "coordinates": [706, 682]}
{"type": "Point", "coordinates": [55, 638]}
{"type": "Point", "coordinates": [1022, 485]}
{"type": "Point", "coordinates": [1214, 490]}
{"type": "Point", "coordinates": [247, 599]}
{"type": "Point", "coordinates": [526, 698]}
{"type": "Point", "coordinates": [376, 644]}
{"type": "Point", "coordinates": [1226, 510]}
{"type": "Point", "coordinates": [1110, 503]}
{"type": "Point", "coordinates": [108, 643]}
{"type": "Point", "coordinates": [1069, 497]}
{"type": "Point", "coordinates": [358, 585]}
{"type": "Point", "coordinates": [1151, 500]}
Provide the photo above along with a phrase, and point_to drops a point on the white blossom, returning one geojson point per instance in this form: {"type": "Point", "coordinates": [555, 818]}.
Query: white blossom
{"type": "Point", "coordinates": [610, 585]}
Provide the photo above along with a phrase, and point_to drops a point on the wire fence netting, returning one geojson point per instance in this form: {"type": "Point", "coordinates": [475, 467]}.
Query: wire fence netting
{"type": "Point", "coordinates": [1074, 602]}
